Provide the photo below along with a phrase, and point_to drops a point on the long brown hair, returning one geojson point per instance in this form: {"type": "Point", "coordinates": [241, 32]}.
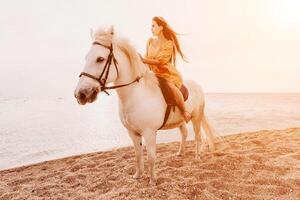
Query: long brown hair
{"type": "Point", "coordinates": [170, 34]}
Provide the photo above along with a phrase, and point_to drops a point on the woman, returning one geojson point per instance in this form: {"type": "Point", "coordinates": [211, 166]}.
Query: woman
{"type": "Point", "coordinates": [161, 57]}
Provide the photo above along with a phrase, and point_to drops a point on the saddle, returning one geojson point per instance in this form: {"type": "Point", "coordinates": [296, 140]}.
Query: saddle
{"type": "Point", "coordinates": [169, 98]}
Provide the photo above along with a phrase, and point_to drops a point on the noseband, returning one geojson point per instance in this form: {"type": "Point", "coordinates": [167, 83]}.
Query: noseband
{"type": "Point", "coordinates": [104, 74]}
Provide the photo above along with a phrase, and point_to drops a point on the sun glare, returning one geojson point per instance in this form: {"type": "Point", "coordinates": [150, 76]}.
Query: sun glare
{"type": "Point", "coordinates": [284, 13]}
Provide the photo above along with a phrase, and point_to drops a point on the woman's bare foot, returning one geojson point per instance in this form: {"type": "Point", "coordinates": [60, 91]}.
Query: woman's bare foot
{"type": "Point", "coordinates": [186, 116]}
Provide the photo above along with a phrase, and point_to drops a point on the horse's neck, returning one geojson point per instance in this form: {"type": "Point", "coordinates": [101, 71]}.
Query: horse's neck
{"type": "Point", "coordinates": [131, 69]}
{"type": "Point", "coordinates": [146, 83]}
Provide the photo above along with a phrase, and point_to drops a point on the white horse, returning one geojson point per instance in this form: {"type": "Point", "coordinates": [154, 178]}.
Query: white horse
{"type": "Point", "coordinates": [141, 104]}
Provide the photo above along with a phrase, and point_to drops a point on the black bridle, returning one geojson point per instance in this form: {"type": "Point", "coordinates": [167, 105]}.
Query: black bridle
{"type": "Point", "coordinates": [104, 74]}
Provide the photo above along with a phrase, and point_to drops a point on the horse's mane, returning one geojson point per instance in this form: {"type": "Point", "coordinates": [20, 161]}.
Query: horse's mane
{"type": "Point", "coordinates": [108, 37]}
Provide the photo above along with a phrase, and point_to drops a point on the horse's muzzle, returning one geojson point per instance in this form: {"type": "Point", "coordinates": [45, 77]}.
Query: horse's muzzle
{"type": "Point", "coordinates": [86, 95]}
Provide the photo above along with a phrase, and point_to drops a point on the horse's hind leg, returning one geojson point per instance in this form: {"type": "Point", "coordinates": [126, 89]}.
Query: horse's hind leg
{"type": "Point", "coordinates": [184, 134]}
{"type": "Point", "coordinates": [137, 141]}
{"type": "Point", "coordinates": [196, 120]}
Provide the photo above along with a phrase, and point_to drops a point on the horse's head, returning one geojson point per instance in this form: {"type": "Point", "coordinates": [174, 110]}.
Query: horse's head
{"type": "Point", "coordinates": [109, 59]}
{"type": "Point", "coordinates": [100, 67]}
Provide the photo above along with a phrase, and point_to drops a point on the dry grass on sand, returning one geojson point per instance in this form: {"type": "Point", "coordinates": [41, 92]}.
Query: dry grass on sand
{"type": "Point", "coordinates": [257, 165]}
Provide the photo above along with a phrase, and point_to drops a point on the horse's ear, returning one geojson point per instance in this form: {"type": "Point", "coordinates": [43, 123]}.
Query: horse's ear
{"type": "Point", "coordinates": [92, 33]}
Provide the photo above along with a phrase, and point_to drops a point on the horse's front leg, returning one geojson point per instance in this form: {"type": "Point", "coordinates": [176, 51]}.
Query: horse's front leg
{"type": "Point", "coordinates": [137, 142]}
{"type": "Point", "coordinates": [184, 134]}
{"type": "Point", "coordinates": [150, 140]}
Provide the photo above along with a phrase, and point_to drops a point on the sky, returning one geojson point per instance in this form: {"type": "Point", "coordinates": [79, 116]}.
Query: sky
{"type": "Point", "coordinates": [231, 45]}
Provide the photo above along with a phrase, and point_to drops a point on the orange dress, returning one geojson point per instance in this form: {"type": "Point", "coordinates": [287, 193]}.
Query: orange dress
{"type": "Point", "coordinates": [164, 54]}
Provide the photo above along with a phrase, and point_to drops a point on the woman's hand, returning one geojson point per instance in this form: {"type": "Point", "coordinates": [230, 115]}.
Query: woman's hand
{"type": "Point", "coordinates": [150, 61]}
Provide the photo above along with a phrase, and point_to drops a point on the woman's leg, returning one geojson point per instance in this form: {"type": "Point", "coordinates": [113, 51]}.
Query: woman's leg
{"type": "Point", "coordinates": [179, 101]}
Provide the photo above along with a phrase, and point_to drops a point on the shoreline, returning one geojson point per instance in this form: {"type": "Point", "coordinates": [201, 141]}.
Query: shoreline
{"type": "Point", "coordinates": [131, 146]}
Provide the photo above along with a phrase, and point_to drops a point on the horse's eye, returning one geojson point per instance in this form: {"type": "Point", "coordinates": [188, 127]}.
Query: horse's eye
{"type": "Point", "coordinates": [99, 60]}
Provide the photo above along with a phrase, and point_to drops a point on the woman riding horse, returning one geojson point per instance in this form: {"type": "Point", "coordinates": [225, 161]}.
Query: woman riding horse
{"type": "Point", "coordinates": [161, 57]}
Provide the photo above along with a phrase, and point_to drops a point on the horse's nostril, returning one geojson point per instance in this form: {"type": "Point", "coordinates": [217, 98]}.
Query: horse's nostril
{"type": "Point", "coordinates": [81, 95]}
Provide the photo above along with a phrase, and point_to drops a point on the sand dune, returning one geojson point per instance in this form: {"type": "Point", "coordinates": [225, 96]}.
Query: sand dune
{"type": "Point", "coordinates": [256, 165]}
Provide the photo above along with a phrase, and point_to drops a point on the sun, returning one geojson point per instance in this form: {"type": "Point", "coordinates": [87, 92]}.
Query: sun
{"type": "Point", "coordinates": [284, 13]}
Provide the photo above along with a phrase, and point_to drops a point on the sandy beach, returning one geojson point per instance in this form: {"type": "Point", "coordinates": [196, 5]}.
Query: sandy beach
{"type": "Point", "coordinates": [251, 165]}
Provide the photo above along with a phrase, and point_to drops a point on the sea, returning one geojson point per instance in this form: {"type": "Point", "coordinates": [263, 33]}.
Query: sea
{"type": "Point", "coordinates": [41, 120]}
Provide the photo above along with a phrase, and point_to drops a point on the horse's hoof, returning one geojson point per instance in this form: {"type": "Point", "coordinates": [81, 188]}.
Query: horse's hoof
{"type": "Point", "coordinates": [204, 148]}
{"type": "Point", "coordinates": [136, 175]}
{"type": "Point", "coordinates": [152, 182]}
{"type": "Point", "coordinates": [179, 153]}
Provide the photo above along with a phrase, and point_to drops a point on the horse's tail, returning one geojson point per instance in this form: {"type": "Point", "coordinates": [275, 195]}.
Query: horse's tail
{"type": "Point", "coordinates": [212, 136]}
